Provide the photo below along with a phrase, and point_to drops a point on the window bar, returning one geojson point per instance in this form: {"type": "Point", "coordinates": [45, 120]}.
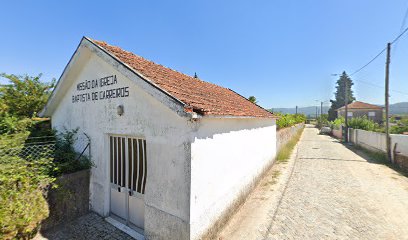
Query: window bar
{"type": "Point", "coordinates": [144, 167]}
{"type": "Point", "coordinates": [123, 163]}
{"type": "Point", "coordinates": [138, 164]}
{"type": "Point", "coordinates": [133, 163]}
{"type": "Point", "coordinates": [117, 160]}
{"type": "Point", "coordinates": [120, 161]}
{"type": "Point", "coordinates": [115, 167]}
{"type": "Point", "coordinates": [111, 158]}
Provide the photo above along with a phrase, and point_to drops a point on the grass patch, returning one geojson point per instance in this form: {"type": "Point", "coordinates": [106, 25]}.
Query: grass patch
{"type": "Point", "coordinates": [377, 157]}
{"type": "Point", "coordinates": [286, 151]}
{"type": "Point", "coordinates": [272, 179]}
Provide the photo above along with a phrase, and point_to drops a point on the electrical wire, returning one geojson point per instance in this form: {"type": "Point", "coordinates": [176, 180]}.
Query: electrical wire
{"type": "Point", "coordinates": [380, 53]}
{"type": "Point", "coordinates": [404, 20]}
{"type": "Point", "coordinates": [399, 36]}
{"type": "Point", "coordinates": [372, 60]}
{"type": "Point", "coordinates": [379, 86]}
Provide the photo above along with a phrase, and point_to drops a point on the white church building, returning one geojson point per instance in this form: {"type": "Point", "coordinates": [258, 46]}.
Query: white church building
{"type": "Point", "coordinates": [171, 152]}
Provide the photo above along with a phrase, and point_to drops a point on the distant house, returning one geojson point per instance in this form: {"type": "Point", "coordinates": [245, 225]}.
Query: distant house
{"type": "Point", "coordinates": [359, 109]}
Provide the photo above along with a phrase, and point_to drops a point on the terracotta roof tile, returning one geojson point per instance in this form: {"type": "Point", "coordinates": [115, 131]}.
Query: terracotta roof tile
{"type": "Point", "coordinates": [199, 96]}
{"type": "Point", "coordinates": [361, 105]}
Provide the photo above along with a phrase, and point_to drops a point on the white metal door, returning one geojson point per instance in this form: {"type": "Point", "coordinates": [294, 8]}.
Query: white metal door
{"type": "Point", "coordinates": [128, 179]}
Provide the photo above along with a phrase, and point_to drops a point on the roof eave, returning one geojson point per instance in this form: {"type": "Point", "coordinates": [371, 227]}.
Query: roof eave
{"type": "Point", "coordinates": [172, 102]}
{"type": "Point", "coordinates": [45, 111]}
{"type": "Point", "coordinates": [238, 117]}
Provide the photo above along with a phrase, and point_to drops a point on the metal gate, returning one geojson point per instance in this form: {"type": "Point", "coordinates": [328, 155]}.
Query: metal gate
{"type": "Point", "coordinates": [128, 179]}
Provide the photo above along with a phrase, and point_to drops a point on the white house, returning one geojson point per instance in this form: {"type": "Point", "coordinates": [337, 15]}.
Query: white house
{"type": "Point", "coordinates": [171, 152]}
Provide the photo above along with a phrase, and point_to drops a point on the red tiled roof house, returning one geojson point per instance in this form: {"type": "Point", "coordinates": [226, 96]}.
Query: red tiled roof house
{"type": "Point", "coordinates": [171, 152]}
{"type": "Point", "coordinates": [360, 109]}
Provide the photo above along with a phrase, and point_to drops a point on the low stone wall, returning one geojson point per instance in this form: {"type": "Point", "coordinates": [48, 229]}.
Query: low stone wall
{"type": "Point", "coordinates": [69, 200]}
{"type": "Point", "coordinates": [285, 135]}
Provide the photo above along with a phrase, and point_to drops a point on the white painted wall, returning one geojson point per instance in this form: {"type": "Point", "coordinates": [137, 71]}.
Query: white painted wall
{"type": "Point", "coordinates": [167, 194]}
{"type": "Point", "coordinates": [195, 169]}
{"type": "Point", "coordinates": [373, 140]}
{"type": "Point", "coordinates": [402, 143]}
{"type": "Point", "coordinates": [377, 141]}
{"type": "Point", "coordinates": [226, 156]}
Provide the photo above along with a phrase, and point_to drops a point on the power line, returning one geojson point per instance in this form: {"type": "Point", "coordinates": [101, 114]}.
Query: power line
{"type": "Point", "coordinates": [372, 60]}
{"type": "Point", "coordinates": [404, 20]}
{"type": "Point", "coordinates": [379, 86]}
{"type": "Point", "coordinates": [380, 53]}
{"type": "Point", "coordinates": [402, 27]}
{"type": "Point", "coordinates": [401, 34]}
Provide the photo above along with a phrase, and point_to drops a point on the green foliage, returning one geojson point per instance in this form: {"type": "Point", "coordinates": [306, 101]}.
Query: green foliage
{"type": "Point", "coordinates": [357, 123]}
{"type": "Point", "coordinates": [323, 121]}
{"type": "Point", "coordinates": [401, 127]}
{"type": "Point", "coordinates": [22, 202]}
{"type": "Point", "coordinates": [25, 95]}
{"type": "Point", "coordinates": [67, 159]}
{"type": "Point", "coordinates": [24, 181]}
{"type": "Point", "coordinates": [337, 123]}
{"type": "Point", "coordinates": [363, 123]}
{"type": "Point", "coordinates": [340, 96]}
{"type": "Point", "coordinates": [12, 124]}
{"type": "Point", "coordinates": [288, 120]}
{"type": "Point", "coordinates": [252, 99]}
{"type": "Point", "coordinates": [12, 142]}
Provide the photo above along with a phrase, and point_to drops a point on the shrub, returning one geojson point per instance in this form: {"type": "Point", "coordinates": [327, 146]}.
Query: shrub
{"type": "Point", "coordinates": [337, 123]}
{"type": "Point", "coordinates": [67, 160]}
{"type": "Point", "coordinates": [400, 128]}
{"type": "Point", "coordinates": [323, 121]}
{"type": "Point", "coordinates": [12, 141]}
{"type": "Point", "coordinates": [363, 123]}
{"type": "Point", "coordinates": [357, 123]}
{"type": "Point", "coordinates": [24, 181]}
{"type": "Point", "coordinates": [11, 124]}
{"type": "Point", "coordinates": [22, 202]}
{"type": "Point", "coordinates": [288, 120]}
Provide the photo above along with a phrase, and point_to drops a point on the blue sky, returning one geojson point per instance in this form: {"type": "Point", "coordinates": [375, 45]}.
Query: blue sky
{"type": "Point", "coordinates": [283, 52]}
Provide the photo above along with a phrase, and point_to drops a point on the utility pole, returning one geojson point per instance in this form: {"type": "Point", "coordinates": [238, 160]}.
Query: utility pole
{"type": "Point", "coordinates": [346, 112]}
{"type": "Point", "coordinates": [296, 109]}
{"type": "Point", "coordinates": [387, 104]}
{"type": "Point", "coordinates": [321, 112]}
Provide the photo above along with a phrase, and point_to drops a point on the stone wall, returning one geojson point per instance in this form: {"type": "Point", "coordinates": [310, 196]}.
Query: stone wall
{"type": "Point", "coordinates": [285, 135]}
{"type": "Point", "coordinates": [69, 200]}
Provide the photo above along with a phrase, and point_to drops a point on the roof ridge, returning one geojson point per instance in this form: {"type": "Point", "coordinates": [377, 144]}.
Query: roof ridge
{"type": "Point", "coordinates": [148, 60]}
{"type": "Point", "coordinates": [205, 97]}
{"type": "Point", "coordinates": [360, 105]}
{"type": "Point", "coordinates": [248, 100]}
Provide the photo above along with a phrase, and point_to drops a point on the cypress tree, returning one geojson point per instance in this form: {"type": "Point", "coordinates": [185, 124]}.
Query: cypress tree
{"type": "Point", "coordinates": [340, 96]}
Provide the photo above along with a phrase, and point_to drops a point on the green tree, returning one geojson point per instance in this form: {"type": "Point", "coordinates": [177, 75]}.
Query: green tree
{"type": "Point", "coordinates": [340, 96]}
{"type": "Point", "coordinates": [24, 95]}
{"type": "Point", "coordinates": [252, 99]}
